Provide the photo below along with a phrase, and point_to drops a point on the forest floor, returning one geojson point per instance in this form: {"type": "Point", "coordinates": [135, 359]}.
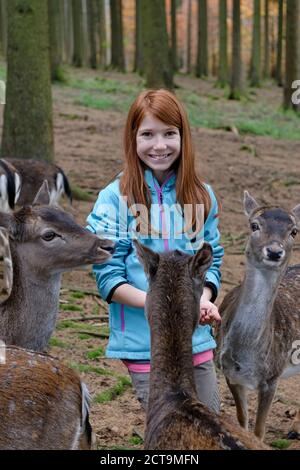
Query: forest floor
{"type": "Point", "coordinates": [88, 144]}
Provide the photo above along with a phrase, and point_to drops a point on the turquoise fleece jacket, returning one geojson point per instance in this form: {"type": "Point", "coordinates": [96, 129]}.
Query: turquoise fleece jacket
{"type": "Point", "coordinates": [129, 330]}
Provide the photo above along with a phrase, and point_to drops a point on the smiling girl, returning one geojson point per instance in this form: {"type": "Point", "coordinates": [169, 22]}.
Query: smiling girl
{"type": "Point", "coordinates": [159, 172]}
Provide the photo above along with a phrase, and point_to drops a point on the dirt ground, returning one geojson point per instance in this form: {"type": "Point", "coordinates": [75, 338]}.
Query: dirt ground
{"type": "Point", "coordinates": [88, 146]}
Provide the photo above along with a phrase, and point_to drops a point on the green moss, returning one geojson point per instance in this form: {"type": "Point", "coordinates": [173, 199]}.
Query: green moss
{"type": "Point", "coordinates": [136, 440]}
{"type": "Point", "coordinates": [56, 342]}
{"type": "Point", "coordinates": [71, 308]}
{"type": "Point", "coordinates": [281, 443]}
{"type": "Point", "coordinates": [81, 195]}
{"type": "Point", "coordinates": [78, 295]}
{"type": "Point", "coordinates": [90, 369]}
{"type": "Point", "coordinates": [113, 392]}
{"type": "Point", "coordinates": [95, 354]}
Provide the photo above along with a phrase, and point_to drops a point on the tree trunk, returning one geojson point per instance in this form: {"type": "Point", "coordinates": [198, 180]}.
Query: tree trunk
{"type": "Point", "coordinates": [236, 75]}
{"type": "Point", "coordinates": [3, 26]}
{"type": "Point", "coordinates": [174, 36]}
{"type": "Point", "coordinates": [202, 53]}
{"type": "Point", "coordinates": [68, 29]}
{"type": "Point", "coordinates": [158, 69]}
{"type": "Point", "coordinates": [55, 38]}
{"type": "Point", "coordinates": [292, 56]}
{"type": "Point", "coordinates": [189, 36]}
{"type": "Point", "coordinates": [266, 42]}
{"type": "Point", "coordinates": [254, 74]}
{"type": "Point", "coordinates": [223, 60]}
{"type": "Point", "coordinates": [279, 45]}
{"type": "Point", "coordinates": [139, 56]}
{"type": "Point", "coordinates": [100, 4]}
{"type": "Point", "coordinates": [117, 46]}
{"type": "Point", "coordinates": [92, 31]}
{"type": "Point", "coordinates": [77, 33]}
{"type": "Point", "coordinates": [27, 129]}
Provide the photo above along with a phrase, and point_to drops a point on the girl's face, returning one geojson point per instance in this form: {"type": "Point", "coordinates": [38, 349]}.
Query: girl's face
{"type": "Point", "coordinates": [158, 145]}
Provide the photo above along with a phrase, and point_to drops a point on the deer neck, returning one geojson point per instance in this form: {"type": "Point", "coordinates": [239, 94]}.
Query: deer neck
{"type": "Point", "coordinates": [32, 306]}
{"type": "Point", "coordinates": [256, 299]}
{"type": "Point", "coordinates": [171, 354]}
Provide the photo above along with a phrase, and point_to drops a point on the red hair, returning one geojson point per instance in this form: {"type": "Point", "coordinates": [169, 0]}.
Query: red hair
{"type": "Point", "coordinates": [163, 105]}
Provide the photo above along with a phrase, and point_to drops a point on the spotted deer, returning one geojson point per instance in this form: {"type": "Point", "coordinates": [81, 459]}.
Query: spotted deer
{"type": "Point", "coordinates": [260, 327]}
{"type": "Point", "coordinates": [43, 404]}
{"type": "Point", "coordinates": [44, 242]}
{"type": "Point", "coordinates": [175, 418]}
{"type": "Point", "coordinates": [20, 179]}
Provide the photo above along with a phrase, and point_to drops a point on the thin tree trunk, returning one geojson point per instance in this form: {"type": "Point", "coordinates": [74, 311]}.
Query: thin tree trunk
{"type": "Point", "coordinates": [102, 32]}
{"type": "Point", "coordinates": [174, 36]}
{"type": "Point", "coordinates": [77, 33]}
{"type": "Point", "coordinates": [255, 55]}
{"type": "Point", "coordinates": [158, 69]}
{"type": "Point", "coordinates": [292, 57]}
{"type": "Point", "coordinates": [27, 129]}
{"type": "Point", "coordinates": [3, 25]}
{"type": "Point", "coordinates": [68, 28]}
{"type": "Point", "coordinates": [189, 36]}
{"type": "Point", "coordinates": [138, 58]}
{"type": "Point", "coordinates": [202, 54]}
{"type": "Point", "coordinates": [266, 42]}
{"type": "Point", "coordinates": [55, 38]}
{"type": "Point", "coordinates": [223, 59]}
{"type": "Point", "coordinates": [279, 45]}
{"type": "Point", "coordinates": [117, 46]}
{"type": "Point", "coordinates": [236, 75]}
{"type": "Point", "coordinates": [92, 32]}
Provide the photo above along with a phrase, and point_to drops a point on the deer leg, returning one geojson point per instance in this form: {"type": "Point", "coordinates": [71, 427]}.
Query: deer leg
{"type": "Point", "coordinates": [265, 398]}
{"type": "Point", "coordinates": [239, 394]}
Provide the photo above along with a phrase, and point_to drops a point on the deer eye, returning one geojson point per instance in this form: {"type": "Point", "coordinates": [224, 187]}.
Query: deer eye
{"type": "Point", "coordinates": [48, 236]}
{"type": "Point", "coordinates": [254, 227]}
{"type": "Point", "coordinates": [294, 232]}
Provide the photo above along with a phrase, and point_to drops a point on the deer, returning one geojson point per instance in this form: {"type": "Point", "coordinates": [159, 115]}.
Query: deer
{"type": "Point", "coordinates": [43, 404]}
{"type": "Point", "coordinates": [20, 179]}
{"type": "Point", "coordinates": [176, 419]}
{"type": "Point", "coordinates": [260, 328]}
{"type": "Point", "coordinates": [44, 242]}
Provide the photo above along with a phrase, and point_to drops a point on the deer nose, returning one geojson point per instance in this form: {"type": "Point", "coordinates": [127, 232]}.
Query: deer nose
{"type": "Point", "coordinates": [275, 253]}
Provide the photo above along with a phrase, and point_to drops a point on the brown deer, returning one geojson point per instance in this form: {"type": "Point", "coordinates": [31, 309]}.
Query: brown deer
{"type": "Point", "coordinates": [175, 418]}
{"type": "Point", "coordinates": [20, 180]}
{"type": "Point", "coordinates": [44, 242]}
{"type": "Point", "coordinates": [43, 404]}
{"type": "Point", "coordinates": [261, 317]}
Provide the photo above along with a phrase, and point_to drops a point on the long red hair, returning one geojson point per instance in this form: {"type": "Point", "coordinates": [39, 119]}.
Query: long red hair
{"type": "Point", "coordinates": [163, 105]}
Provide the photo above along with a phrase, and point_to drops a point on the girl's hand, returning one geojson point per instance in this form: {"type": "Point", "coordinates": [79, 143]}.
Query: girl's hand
{"type": "Point", "coordinates": [208, 312]}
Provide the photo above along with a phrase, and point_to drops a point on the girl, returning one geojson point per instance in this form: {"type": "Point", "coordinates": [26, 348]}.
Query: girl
{"type": "Point", "coordinates": [151, 199]}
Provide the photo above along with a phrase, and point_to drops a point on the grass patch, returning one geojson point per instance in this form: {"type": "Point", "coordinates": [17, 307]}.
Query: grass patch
{"type": "Point", "coordinates": [71, 308]}
{"type": "Point", "coordinates": [63, 324]}
{"type": "Point", "coordinates": [113, 392]}
{"type": "Point", "coordinates": [78, 295]}
{"type": "Point", "coordinates": [135, 440]}
{"type": "Point", "coordinates": [83, 336]}
{"type": "Point", "coordinates": [90, 369]}
{"type": "Point", "coordinates": [81, 195]}
{"type": "Point", "coordinates": [248, 116]}
{"type": "Point", "coordinates": [56, 342]}
{"type": "Point", "coordinates": [281, 443]}
{"type": "Point", "coordinates": [94, 354]}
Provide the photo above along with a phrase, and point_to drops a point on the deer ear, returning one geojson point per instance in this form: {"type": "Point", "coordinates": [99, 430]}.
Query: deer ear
{"type": "Point", "coordinates": [249, 204]}
{"type": "Point", "coordinates": [296, 213]}
{"type": "Point", "coordinates": [7, 221]}
{"type": "Point", "coordinates": [201, 261]}
{"type": "Point", "coordinates": [148, 258]}
{"type": "Point", "coordinates": [43, 196]}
